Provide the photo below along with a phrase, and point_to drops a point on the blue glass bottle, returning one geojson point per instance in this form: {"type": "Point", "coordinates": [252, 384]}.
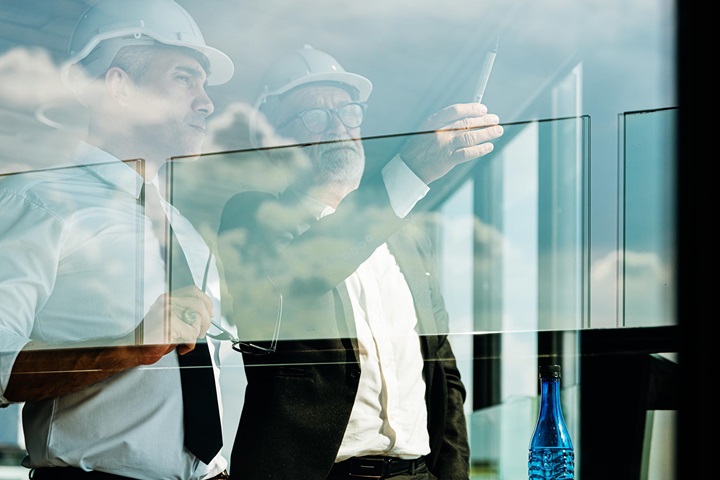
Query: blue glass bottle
{"type": "Point", "coordinates": [551, 456]}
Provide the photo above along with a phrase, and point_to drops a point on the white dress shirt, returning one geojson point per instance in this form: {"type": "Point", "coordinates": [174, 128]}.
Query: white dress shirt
{"type": "Point", "coordinates": [389, 416]}
{"type": "Point", "coordinates": [76, 265]}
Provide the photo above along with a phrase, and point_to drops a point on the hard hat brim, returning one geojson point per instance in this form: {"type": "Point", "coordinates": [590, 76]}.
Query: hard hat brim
{"type": "Point", "coordinates": [362, 84]}
{"type": "Point", "coordinates": [221, 67]}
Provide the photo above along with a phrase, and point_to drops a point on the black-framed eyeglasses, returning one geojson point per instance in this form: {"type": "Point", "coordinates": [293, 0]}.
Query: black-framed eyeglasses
{"type": "Point", "coordinates": [318, 120]}
{"type": "Point", "coordinates": [248, 347]}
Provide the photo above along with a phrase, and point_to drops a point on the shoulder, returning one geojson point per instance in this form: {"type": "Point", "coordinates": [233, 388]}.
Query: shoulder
{"type": "Point", "coordinates": [248, 199]}
{"type": "Point", "coordinates": [39, 192]}
{"type": "Point", "coordinates": [413, 233]}
{"type": "Point", "coordinates": [242, 209]}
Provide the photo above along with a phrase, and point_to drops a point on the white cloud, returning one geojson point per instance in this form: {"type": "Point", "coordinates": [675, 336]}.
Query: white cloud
{"type": "Point", "coordinates": [29, 79]}
{"type": "Point", "coordinates": [632, 289]}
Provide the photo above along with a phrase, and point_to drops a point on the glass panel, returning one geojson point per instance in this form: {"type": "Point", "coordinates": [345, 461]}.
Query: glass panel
{"type": "Point", "coordinates": [648, 286]}
{"type": "Point", "coordinates": [203, 186]}
{"type": "Point", "coordinates": [455, 258]}
{"type": "Point", "coordinates": [534, 212]}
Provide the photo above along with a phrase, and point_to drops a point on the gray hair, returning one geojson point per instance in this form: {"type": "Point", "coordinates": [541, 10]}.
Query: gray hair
{"type": "Point", "coordinates": [271, 107]}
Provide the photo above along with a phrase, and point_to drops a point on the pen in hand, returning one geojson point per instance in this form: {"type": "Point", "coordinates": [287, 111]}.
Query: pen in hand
{"type": "Point", "coordinates": [223, 335]}
{"type": "Point", "coordinates": [485, 72]}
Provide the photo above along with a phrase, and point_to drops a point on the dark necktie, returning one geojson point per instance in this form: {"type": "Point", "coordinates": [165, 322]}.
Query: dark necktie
{"type": "Point", "coordinates": [203, 432]}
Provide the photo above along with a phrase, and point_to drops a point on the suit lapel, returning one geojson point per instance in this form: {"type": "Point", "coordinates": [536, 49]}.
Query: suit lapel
{"type": "Point", "coordinates": [409, 258]}
{"type": "Point", "coordinates": [348, 317]}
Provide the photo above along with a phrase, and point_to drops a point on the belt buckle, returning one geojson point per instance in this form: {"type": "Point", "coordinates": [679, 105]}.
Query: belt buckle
{"type": "Point", "coordinates": [367, 467]}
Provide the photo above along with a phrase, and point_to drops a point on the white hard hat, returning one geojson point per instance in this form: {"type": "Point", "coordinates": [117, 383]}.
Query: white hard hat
{"type": "Point", "coordinates": [303, 66]}
{"type": "Point", "coordinates": [120, 23]}
{"type": "Point", "coordinates": [307, 65]}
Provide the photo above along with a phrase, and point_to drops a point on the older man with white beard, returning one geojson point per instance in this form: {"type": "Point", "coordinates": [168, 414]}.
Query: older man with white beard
{"type": "Point", "coordinates": [343, 331]}
{"type": "Point", "coordinates": [335, 156]}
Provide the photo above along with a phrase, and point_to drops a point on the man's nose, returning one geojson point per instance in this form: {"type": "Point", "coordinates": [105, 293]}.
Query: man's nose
{"type": "Point", "coordinates": [203, 104]}
{"type": "Point", "coordinates": [337, 128]}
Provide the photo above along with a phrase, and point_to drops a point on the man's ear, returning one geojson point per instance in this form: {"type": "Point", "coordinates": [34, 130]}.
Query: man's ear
{"type": "Point", "coordinates": [119, 85]}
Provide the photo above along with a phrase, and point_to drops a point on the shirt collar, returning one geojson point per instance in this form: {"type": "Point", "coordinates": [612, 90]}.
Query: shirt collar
{"type": "Point", "coordinates": [120, 174]}
{"type": "Point", "coordinates": [314, 206]}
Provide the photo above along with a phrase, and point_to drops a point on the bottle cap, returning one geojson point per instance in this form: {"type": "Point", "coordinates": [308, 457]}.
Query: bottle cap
{"type": "Point", "coordinates": [549, 371]}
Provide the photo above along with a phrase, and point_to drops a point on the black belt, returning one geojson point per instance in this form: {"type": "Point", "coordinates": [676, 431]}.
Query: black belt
{"type": "Point", "coordinates": [73, 473]}
{"type": "Point", "coordinates": [375, 467]}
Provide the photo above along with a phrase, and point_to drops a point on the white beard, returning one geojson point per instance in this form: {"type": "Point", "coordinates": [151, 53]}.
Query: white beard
{"type": "Point", "coordinates": [337, 166]}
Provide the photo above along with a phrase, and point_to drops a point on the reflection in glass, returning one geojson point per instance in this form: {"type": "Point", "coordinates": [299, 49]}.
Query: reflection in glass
{"type": "Point", "coordinates": [60, 224]}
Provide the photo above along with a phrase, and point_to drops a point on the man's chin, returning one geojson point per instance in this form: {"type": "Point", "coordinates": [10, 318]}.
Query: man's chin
{"type": "Point", "coordinates": [344, 165]}
{"type": "Point", "coordinates": [187, 154]}
{"type": "Point", "coordinates": [339, 156]}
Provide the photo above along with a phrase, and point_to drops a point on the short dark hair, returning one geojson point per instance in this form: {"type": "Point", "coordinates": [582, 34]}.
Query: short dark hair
{"type": "Point", "coordinates": [136, 59]}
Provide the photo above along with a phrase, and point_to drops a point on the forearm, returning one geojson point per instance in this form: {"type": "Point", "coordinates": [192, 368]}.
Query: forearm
{"type": "Point", "coordinates": [334, 247]}
{"type": "Point", "coordinates": [40, 372]}
{"type": "Point", "coordinates": [264, 254]}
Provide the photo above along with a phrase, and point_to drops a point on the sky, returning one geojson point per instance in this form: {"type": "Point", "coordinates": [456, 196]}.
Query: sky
{"type": "Point", "coordinates": [420, 57]}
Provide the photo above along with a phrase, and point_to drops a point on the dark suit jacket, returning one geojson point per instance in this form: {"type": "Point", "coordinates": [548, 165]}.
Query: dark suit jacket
{"type": "Point", "coordinates": [298, 399]}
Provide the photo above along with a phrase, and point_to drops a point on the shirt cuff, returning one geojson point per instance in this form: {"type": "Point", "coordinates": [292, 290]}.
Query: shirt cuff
{"type": "Point", "coordinates": [404, 188]}
{"type": "Point", "coordinates": [10, 346]}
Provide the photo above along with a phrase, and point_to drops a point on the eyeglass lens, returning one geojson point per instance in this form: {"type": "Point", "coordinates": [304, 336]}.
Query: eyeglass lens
{"type": "Point", "coordinates": [317, 120]}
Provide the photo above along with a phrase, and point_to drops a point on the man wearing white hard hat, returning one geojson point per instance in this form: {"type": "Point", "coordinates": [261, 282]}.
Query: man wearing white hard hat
{"type": "Point", "coordinates": [106, 290]}
{"type": "Point", "coordinates": [335, 295]}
